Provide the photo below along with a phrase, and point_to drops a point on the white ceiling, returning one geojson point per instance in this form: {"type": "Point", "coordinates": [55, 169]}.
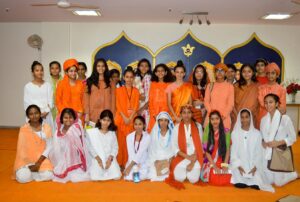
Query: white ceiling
{"type": "Point", "coordinates": [220, 11]}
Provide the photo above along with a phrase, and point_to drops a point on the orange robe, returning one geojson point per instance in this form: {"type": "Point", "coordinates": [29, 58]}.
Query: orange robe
{"type": "Point", "coordinates": [98, 100]}
{"type": "Point", "coordinates": [197, 95]}
{"type": "Point", "coordinates": [180, 96]}
{"type": "Point", "coordinates": [30, 148]}
{"type": "Point", "coordinates": [68, 96]}
{"type": "Point", "coordinates": [246, 97]}
{"type": "Point", "coordinates": [126, 101]}
{"type": "Point", "coordinates": [158, 101]}
{"type": "Point", "coordinates": [266, 89]}
{"type": "Point", "coordinates": [220, 98]}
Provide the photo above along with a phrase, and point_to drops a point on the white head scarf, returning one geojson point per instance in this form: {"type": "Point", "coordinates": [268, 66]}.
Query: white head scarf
{"type": "Point", "coordinates": [238, 125]}
{"type": "Point", "coordinates": [155, 133]}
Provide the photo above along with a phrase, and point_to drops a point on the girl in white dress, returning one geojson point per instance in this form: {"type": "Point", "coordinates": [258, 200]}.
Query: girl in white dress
{"type": "Point", "coordinates": [277, 130]}
{"type": "Point", "coordinates": [137, 146]}
{"type": "Point", "coordinates": [160, 150]}
{"type": "Point", "coordinates": [103, 149]}
{"type": "Point", "coordinates": [246, 154]}
{"type": "Point", "coordinates": [39, 92]}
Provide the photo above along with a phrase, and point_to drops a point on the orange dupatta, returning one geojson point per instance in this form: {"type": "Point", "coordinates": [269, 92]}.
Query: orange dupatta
{"type": "Point", "coordinates": [30, 148]}
{"type": "Point", "coordinates": [182, 147]}
{"type": "Point", "coordinates": [66, 98]}
{"type": "Point", "coordinates": [180, 97]}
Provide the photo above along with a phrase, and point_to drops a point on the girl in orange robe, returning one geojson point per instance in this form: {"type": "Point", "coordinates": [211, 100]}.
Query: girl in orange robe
{"type": "Point", "coordinates": [199, 80]}
{"type": "Point", "coordinates": [272, 72]}
{"type": "Point", "coordinates": [127, 105]}
{"type": "Point", "coordinates": [246, 94]}
{"type": "Point", "coordinates": [34, 145]}
{"type": "Point", "coordinates": [157, 96]}
{"type": "Point", "coordinates": [220, 96]}
{"type": "Point", "coordinates": [69, 92]}
{"type": "Point", "coordinates": [260, 66]}
{"type": "Point", "coordinates": [179, 93]}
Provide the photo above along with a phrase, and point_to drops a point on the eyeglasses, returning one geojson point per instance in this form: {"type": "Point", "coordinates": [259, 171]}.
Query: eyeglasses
{"type": "Point", "coordinates": [219, 71]}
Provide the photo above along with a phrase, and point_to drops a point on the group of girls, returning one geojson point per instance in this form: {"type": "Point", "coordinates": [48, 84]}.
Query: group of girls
{"type": "Point", "coordinates": [155, 124]}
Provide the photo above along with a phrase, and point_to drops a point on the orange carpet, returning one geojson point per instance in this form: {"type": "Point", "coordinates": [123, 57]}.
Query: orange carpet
{"type": "Point", "coordinates": [10, 190]}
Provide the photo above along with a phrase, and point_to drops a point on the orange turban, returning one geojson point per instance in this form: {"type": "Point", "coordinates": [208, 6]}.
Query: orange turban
{"type": "Point", "coordinates": [221, 66]}
{"type": "Point", "coordinates": [70, 63]}
{"type": "Point", "coordinates": [273, 66]}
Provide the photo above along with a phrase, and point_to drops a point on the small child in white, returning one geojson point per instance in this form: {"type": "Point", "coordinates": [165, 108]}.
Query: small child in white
{"type": "Point", "coordinates": [137, 148]}
{"type": "Point", "coordinates": [103, 149]}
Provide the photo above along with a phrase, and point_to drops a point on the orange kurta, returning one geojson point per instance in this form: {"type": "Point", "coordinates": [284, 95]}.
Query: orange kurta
{"type": "Point", "coordinates": [197, 95]}
{"type": "Point", "coordinates": [262, 80]}
{"type": "Point", "coordinates": [99, 99]}
{"type": "Point", "coordinates": [30, 148]}
{"type": "Point", "coordinates": [266, 89]}
{"type": "Point", "coordinates": [68, 96]}
{"type": "Point", "coordinates": [246, 97]}
{"type": "Point", "coordinates": [180, 96]}
{"type": "Point", "coordinates": [126, 101]}
{"type": "Point", "coordinates": [158, 101]}
{"type": "Point", "coordinates": [220, 98]}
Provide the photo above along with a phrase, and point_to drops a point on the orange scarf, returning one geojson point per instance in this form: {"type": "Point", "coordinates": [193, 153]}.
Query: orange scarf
{"type": "Point", "coordinates": [182, 147]}
{"type": "Point", "coordinates": [181, 96]}
{"type": "Point", "coordinates": [30, 148]}
{"type": "Point", "coordinates": [64, 95]}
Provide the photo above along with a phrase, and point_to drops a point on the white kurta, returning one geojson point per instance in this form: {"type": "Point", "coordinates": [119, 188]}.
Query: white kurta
{"type": "Point", "coordinates": [246, 152]}
{"type": "Point", "coordinates": [103, 145]}
{"type": "Point", "coordinates": [42, 96]}
{"type": "Point", "coordinates": [180, 172]}
{"type": "Point", "coordinates": [138, 155]}
{"type": "Point", "coordinates": [160, 149]}
{"type": "Point", "coordinates": [286, 132]}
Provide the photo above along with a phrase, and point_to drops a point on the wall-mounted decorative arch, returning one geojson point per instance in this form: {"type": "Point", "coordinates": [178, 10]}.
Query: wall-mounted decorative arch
{"type": "Point", "coordinates": [252, 49]}
{"type": "Point", "coordinates": [190, 50]}
{"type": "Point", "coordinates": [122, 52]}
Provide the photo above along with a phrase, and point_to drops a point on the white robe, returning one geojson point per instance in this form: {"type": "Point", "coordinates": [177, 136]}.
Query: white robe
{"type": "Point", "coordinates": [42, 96]}
{"type": "Point", "coordinates": [246, 151]}
{"type": "Point", "coordinates": [286, 132]}
{"type": "Point", "coordinates": [180, 172]}
{"type": "Point", "coordinates": [139, 156]}
{"type": "Point", "coordinates": [102, 145]}
{"type": "Point", "coordinates": [160, 149]}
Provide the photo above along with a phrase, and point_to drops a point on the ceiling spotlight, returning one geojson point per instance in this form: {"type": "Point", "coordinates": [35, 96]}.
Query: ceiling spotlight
{"type": "Point", "coordinates": [191, 21]}
{"type": "Point", "coordinates": [181, 20]}
{"type": "Point", "coordinates": [207, 21]}
{"type": "Point", "coordinates": [199, 21]}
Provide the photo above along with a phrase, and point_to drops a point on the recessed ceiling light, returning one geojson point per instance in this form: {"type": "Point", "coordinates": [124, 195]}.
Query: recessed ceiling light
{"type": "Point", "coordinates": [86, 12]}
{"type": "Point", "coordinates": [278, 16]}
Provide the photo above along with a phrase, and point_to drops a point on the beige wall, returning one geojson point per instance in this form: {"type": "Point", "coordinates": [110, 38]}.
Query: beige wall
{"type": "Point", "coordinates": [79, 40]}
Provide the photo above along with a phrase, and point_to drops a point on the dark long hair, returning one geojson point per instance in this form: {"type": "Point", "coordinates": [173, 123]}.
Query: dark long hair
{"type": "Point", "coordinates": [203, 81]}
{"type": "Point", "coordinates": [274, 96]}
{"type": "Point", "coordinates": [109, 114]}
{"type": "Point", "coordinates": [55, 62]}
{"type": "Point", "coordinates": [94, 78]}
{"type": "Point", "coordinates": [138, 71]}
{"type": "Point", "coordinates": [37, 108]}
{"type": "Point", "coordinates": [260, 60]}
{"type": "Point", "coordinates": [242, 80]}
{"type": "Point", "coordinates": [167, 78]}
{"type": "Point", "coordinates": [222, 136]}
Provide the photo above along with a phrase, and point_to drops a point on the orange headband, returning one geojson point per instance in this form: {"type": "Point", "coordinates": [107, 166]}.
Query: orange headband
{"type": "Point", "coordinates": [273, 67]}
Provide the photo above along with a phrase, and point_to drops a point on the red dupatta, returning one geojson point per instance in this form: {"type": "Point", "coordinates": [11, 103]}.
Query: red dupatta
{"type": "Point", "coordinates": [182, 147]}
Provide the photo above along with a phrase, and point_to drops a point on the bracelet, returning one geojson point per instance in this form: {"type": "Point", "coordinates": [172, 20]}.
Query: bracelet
{"type": "Point", "coordinates": [224, 165]}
